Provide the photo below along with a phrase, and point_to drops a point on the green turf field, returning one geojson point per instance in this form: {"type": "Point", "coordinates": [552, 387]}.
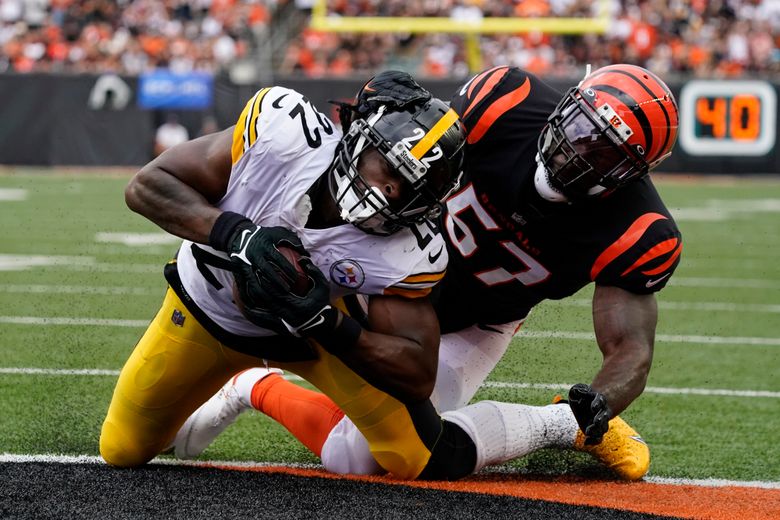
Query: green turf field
{"type": "Point", "coordinates": [712, 408]}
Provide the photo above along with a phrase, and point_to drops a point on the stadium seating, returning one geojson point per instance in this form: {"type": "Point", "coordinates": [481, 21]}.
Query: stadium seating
{"type": "Point", "coordinates": [667, 36]}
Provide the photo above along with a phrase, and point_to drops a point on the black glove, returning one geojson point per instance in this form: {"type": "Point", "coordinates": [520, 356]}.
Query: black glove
{"type": "Point", "coordinates": [392, 88]}
{"type": "Point", "coordinates": [301, 314]}
{"type": "Point", "coordinates": [591, 411]}
{"type": "Point", "coordinates": [253, 254]}
{"type": "Point", "coordinates": [309, 316]}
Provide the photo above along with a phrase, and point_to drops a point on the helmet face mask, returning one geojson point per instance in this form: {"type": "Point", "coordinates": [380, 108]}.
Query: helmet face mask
{"type": "Point", "coordinates": [603, 136]}
{"type": "Point", "coordinates": [422, 147]}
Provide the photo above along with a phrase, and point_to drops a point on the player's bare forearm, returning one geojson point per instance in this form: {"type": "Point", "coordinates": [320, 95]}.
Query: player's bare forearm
{"type": "Point", "coordinates": [625, 331]}
{"type": "Point", "coordinates": [400, 353]}
{"type": "Point", "coordinates": [178, 189]}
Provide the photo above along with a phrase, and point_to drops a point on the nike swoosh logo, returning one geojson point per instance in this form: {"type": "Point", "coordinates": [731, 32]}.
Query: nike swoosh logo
{"type": "Point", "coordinates": [466, 86]}
{"type": "Point", "coordinates": [276, 103]}
{"type": "Point", "coordinates": [308, 326]}
{"type": "Point", "coordinates": [651, 283]}
{"type": "Point", "coordinates": [638, 439]}
{"type": "Point", "coordinates": [246, 236]}
{"type": "Point", "coordinates": [433, 257]}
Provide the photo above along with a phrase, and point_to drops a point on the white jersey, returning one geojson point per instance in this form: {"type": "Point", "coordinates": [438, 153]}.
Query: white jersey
{"type": "Point", "coordinates": [281, 146]}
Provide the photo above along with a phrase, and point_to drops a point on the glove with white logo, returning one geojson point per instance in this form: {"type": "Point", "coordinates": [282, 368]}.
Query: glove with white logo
{"type": "Point", "coordinates": [309, 315]}
{"type": "Point", "coordinates": [591, 410]}
{"type": "Point", "coordinates": [302, 314]}
{"type": "Point", "coordinates": [252, 251]}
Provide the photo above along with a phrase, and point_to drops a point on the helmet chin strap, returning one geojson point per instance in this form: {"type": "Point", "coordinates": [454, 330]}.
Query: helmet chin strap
{"type": "Point", "coordinates": [543, 186]}
{"type": "Point", "coordinates": [547, 191]}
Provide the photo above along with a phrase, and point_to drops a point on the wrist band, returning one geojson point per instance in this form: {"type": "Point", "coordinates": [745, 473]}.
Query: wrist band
{"type": "Point", "coordinates": [224, 226]}
{"type": "Point", "coordinates": [341, 338]}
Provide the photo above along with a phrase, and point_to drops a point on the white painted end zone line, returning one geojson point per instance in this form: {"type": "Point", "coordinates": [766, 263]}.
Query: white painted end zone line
{"type": "Point", "coordinates": [714, 482]}
{"type": "Point", "coordinates": [7, 458]}
{"type": "Point", "coordinates": [487, 384]}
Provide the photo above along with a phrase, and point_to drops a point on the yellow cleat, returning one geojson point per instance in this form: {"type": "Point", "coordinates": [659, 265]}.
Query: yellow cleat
{"type": "Point", "coordinates": [622, 450]}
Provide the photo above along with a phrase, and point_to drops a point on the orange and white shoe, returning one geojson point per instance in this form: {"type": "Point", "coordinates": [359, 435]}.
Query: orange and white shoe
{"type": "Point", "coordinates": [622, 450]}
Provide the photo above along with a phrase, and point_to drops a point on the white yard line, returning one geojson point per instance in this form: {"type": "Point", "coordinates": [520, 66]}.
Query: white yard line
{"type": "Point", "coordinates": [661, 338]}
{"type": "Point", "coordinates": [731, 283]}
{"type": "Point", "coordinates": [569, 302]}
{"type": "Point", "coordinates": [110, 267]}
{"type": "Point", "coordinates": [36, 320]}
{"type": "Point", "coordinates": [78, 289]}
{"type": "Point", "coordinates": [6, 458]}
{"type": "Point", "coordinates": [488, 384]}
{"type": "Point", "coordinates": [568, 335]}
{"type": "Point", "coordinates": [60, 371]}
{"type": "Point", "coordinates": [649, 390]}
{"type": "Point", "coordinates": [682, 306]}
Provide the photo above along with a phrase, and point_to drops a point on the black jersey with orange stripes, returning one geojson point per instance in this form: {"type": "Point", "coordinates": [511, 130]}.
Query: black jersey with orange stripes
{"type": "Point", "coordinates": [509, 248]}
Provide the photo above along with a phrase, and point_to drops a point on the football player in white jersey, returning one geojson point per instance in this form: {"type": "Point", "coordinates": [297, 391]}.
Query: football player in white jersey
{"type": "Point", "coordinates": [356, 207]}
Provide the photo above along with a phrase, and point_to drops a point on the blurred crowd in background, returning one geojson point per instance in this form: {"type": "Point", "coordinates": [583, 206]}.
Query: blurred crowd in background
{"type": "Point", "coordinates": [718, 38]}
{"type": "Point", "coordinates": [126, 36]}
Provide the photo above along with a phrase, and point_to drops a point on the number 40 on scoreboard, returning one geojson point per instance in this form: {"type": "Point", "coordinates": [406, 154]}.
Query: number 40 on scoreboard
{"type": "Point", "coordinates": [727, 118]}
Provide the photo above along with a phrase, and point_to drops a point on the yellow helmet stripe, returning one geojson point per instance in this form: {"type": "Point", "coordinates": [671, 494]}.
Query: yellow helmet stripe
{"type": "Point", "coordinates": [434, 134]}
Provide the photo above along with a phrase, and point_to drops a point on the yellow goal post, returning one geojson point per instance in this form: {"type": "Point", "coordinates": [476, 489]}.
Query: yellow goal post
{"type": "Point", "coordinates": [322, 21]}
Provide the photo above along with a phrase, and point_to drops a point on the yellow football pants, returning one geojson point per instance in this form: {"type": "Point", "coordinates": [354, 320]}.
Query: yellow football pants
{"type": "Point", "coordinates": [176, 368]}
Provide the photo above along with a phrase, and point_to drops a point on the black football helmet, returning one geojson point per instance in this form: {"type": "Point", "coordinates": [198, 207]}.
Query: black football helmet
{"type": "Point", "coordinates": [421, 143]}
{"type": "Point", "coordinates": [614, 127]}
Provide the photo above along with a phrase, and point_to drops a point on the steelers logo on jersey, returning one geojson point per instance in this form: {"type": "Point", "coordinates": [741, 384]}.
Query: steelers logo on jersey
{"type": "Point", "coordinates": [347, 273]}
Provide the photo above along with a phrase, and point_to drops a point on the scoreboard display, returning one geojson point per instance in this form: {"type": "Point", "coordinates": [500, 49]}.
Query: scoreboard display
{"type": "Point", "coordinates": [728, 118]}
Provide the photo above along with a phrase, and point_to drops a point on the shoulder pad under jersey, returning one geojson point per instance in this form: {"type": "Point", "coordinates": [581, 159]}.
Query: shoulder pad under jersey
{"type": "Point", "coordinates": [282, 116]}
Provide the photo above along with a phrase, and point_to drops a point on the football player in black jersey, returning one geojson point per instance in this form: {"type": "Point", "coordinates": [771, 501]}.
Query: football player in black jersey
{"type": "Point", "coordinates": [555, 196]}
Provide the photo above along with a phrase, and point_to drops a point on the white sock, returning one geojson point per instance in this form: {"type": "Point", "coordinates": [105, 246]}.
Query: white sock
{"type": "Point", "coordinates": [504, 431]}
{"type": "Point", "coordinates": [245, 381]}
{"type": "Point", "coordinates": [346, 451]}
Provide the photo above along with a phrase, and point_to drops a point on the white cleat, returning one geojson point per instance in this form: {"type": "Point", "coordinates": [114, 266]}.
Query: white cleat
{"type": "Point", "coordinates": [207, 422]}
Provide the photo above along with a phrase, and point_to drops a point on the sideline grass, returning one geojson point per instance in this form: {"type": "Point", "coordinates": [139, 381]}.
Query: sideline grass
{"type": "Point", "coordinates": [730, 231]}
